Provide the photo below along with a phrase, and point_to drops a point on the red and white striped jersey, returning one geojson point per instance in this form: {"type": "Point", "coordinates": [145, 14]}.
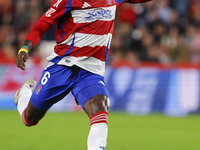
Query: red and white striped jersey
{"type": "Point", "coordinates": [84, 32]}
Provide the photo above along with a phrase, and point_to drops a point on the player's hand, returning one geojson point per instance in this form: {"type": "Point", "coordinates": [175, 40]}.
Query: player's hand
{"type": "Point", "coordinates": [21, 59]}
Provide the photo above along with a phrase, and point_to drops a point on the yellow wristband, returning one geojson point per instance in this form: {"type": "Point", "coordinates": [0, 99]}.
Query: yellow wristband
{"type": "Point", "coordinates": [23, 50]}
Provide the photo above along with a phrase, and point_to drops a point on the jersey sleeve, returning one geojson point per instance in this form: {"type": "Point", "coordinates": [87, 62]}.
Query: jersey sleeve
{"type": "Point", "coordinates": [37, 32]}
{"type": "Point", "coordinates": [51, 17]}
{"type": "Point", "coordinates": [137, 1]}
{"type": "Point", "coordinates": [56, 11]}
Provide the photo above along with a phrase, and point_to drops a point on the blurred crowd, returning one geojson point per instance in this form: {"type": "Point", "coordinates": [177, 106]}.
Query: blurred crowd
{"type": "Point", "coordinates": [17, 17]}
{"type": "Point", "coordinates": [161, 31]}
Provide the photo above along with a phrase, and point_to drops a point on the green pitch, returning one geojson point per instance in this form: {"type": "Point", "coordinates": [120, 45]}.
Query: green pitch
{"type": "Point", "coordinates": [68, 131]}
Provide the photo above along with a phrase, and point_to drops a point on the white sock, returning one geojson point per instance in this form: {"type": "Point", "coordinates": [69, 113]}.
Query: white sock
{"type": "Point", "coordinates": [97, 138]}
{"type": "Point", "coordinates": [25, 95]}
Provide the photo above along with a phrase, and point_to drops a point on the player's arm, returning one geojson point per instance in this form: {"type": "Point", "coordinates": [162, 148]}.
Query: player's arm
{"type": "Point", "coordinates": [51, 17]}
{"type": "Point", "coordinates": [31, 41]}
{"type": "Point", "coordinates": [137, 1]}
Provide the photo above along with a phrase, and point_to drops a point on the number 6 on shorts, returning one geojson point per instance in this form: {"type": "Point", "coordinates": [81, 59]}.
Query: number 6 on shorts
{"type": "Point", "coordinates": [45, 78]}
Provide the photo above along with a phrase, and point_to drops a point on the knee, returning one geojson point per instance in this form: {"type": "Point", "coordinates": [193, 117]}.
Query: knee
{"type": "Point", "coordinates": [96, 104]}
{"type": "Point", "coordinates": [100, 103]}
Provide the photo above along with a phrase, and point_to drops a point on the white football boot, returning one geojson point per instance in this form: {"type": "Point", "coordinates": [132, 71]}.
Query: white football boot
{"type": "Point", "coordinates": [30, 83]}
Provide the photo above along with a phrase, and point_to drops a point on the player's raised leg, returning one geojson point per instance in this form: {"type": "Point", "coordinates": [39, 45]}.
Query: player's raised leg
{"type": "Point", "coordinates": [24, 107]}
{"type": "Point", "coordinates": [22, 96]}
{"type": "Point", "coordinates": [97, 109]}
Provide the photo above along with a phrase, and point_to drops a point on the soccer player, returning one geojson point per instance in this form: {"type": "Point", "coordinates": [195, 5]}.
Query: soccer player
{"type": "Point", "coordinates": [84, 32]}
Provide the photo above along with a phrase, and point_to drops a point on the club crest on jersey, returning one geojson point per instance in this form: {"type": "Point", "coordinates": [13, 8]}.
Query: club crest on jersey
{"type": "Point", "coordinates": [37, 91]}
{"type": "Point", "coordinates": [99, 14]}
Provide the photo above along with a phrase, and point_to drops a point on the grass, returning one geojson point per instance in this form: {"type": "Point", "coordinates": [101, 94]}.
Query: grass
{"type": "Point", "coordinates": [68, 131]}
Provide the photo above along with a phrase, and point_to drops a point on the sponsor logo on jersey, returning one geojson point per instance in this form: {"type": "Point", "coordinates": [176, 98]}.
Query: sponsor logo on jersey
{"type": "Point", "coordinates": [99, 14]}
{"type": "Point", "coordinates": [87, 15]}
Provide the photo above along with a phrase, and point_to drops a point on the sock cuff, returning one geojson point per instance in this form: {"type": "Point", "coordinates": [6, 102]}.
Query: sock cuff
{"type": "Point", "coordinates": [100, 117]}
{"type": "Point", "coordinates": [25, 121]}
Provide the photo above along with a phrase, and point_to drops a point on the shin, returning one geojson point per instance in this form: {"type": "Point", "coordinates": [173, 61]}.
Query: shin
{"type": "Point", "coordinates": [97, 108]}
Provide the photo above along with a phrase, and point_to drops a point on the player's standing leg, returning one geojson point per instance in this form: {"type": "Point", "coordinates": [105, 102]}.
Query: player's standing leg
{"type": "Point", "coordinates": [97, 109]}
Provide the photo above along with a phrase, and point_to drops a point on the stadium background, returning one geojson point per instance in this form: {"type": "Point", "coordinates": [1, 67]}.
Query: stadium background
{"type": "Point", "coordinates": [153, 70]}
{"type": "Point", "coordinates": [155, 50]}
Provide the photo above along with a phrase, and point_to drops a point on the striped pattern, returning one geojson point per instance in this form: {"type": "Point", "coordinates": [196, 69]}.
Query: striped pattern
{"type": "Point", "coordinates": [82, 39]}
{"type": "Point", "coordinates": [100, 117]}
{"type": "Point", "coordinates": [83, 35]}
{"type": "Point", "coordinates": [84, 50]}
{"type": "Point", "coordinates": [88, 63]}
